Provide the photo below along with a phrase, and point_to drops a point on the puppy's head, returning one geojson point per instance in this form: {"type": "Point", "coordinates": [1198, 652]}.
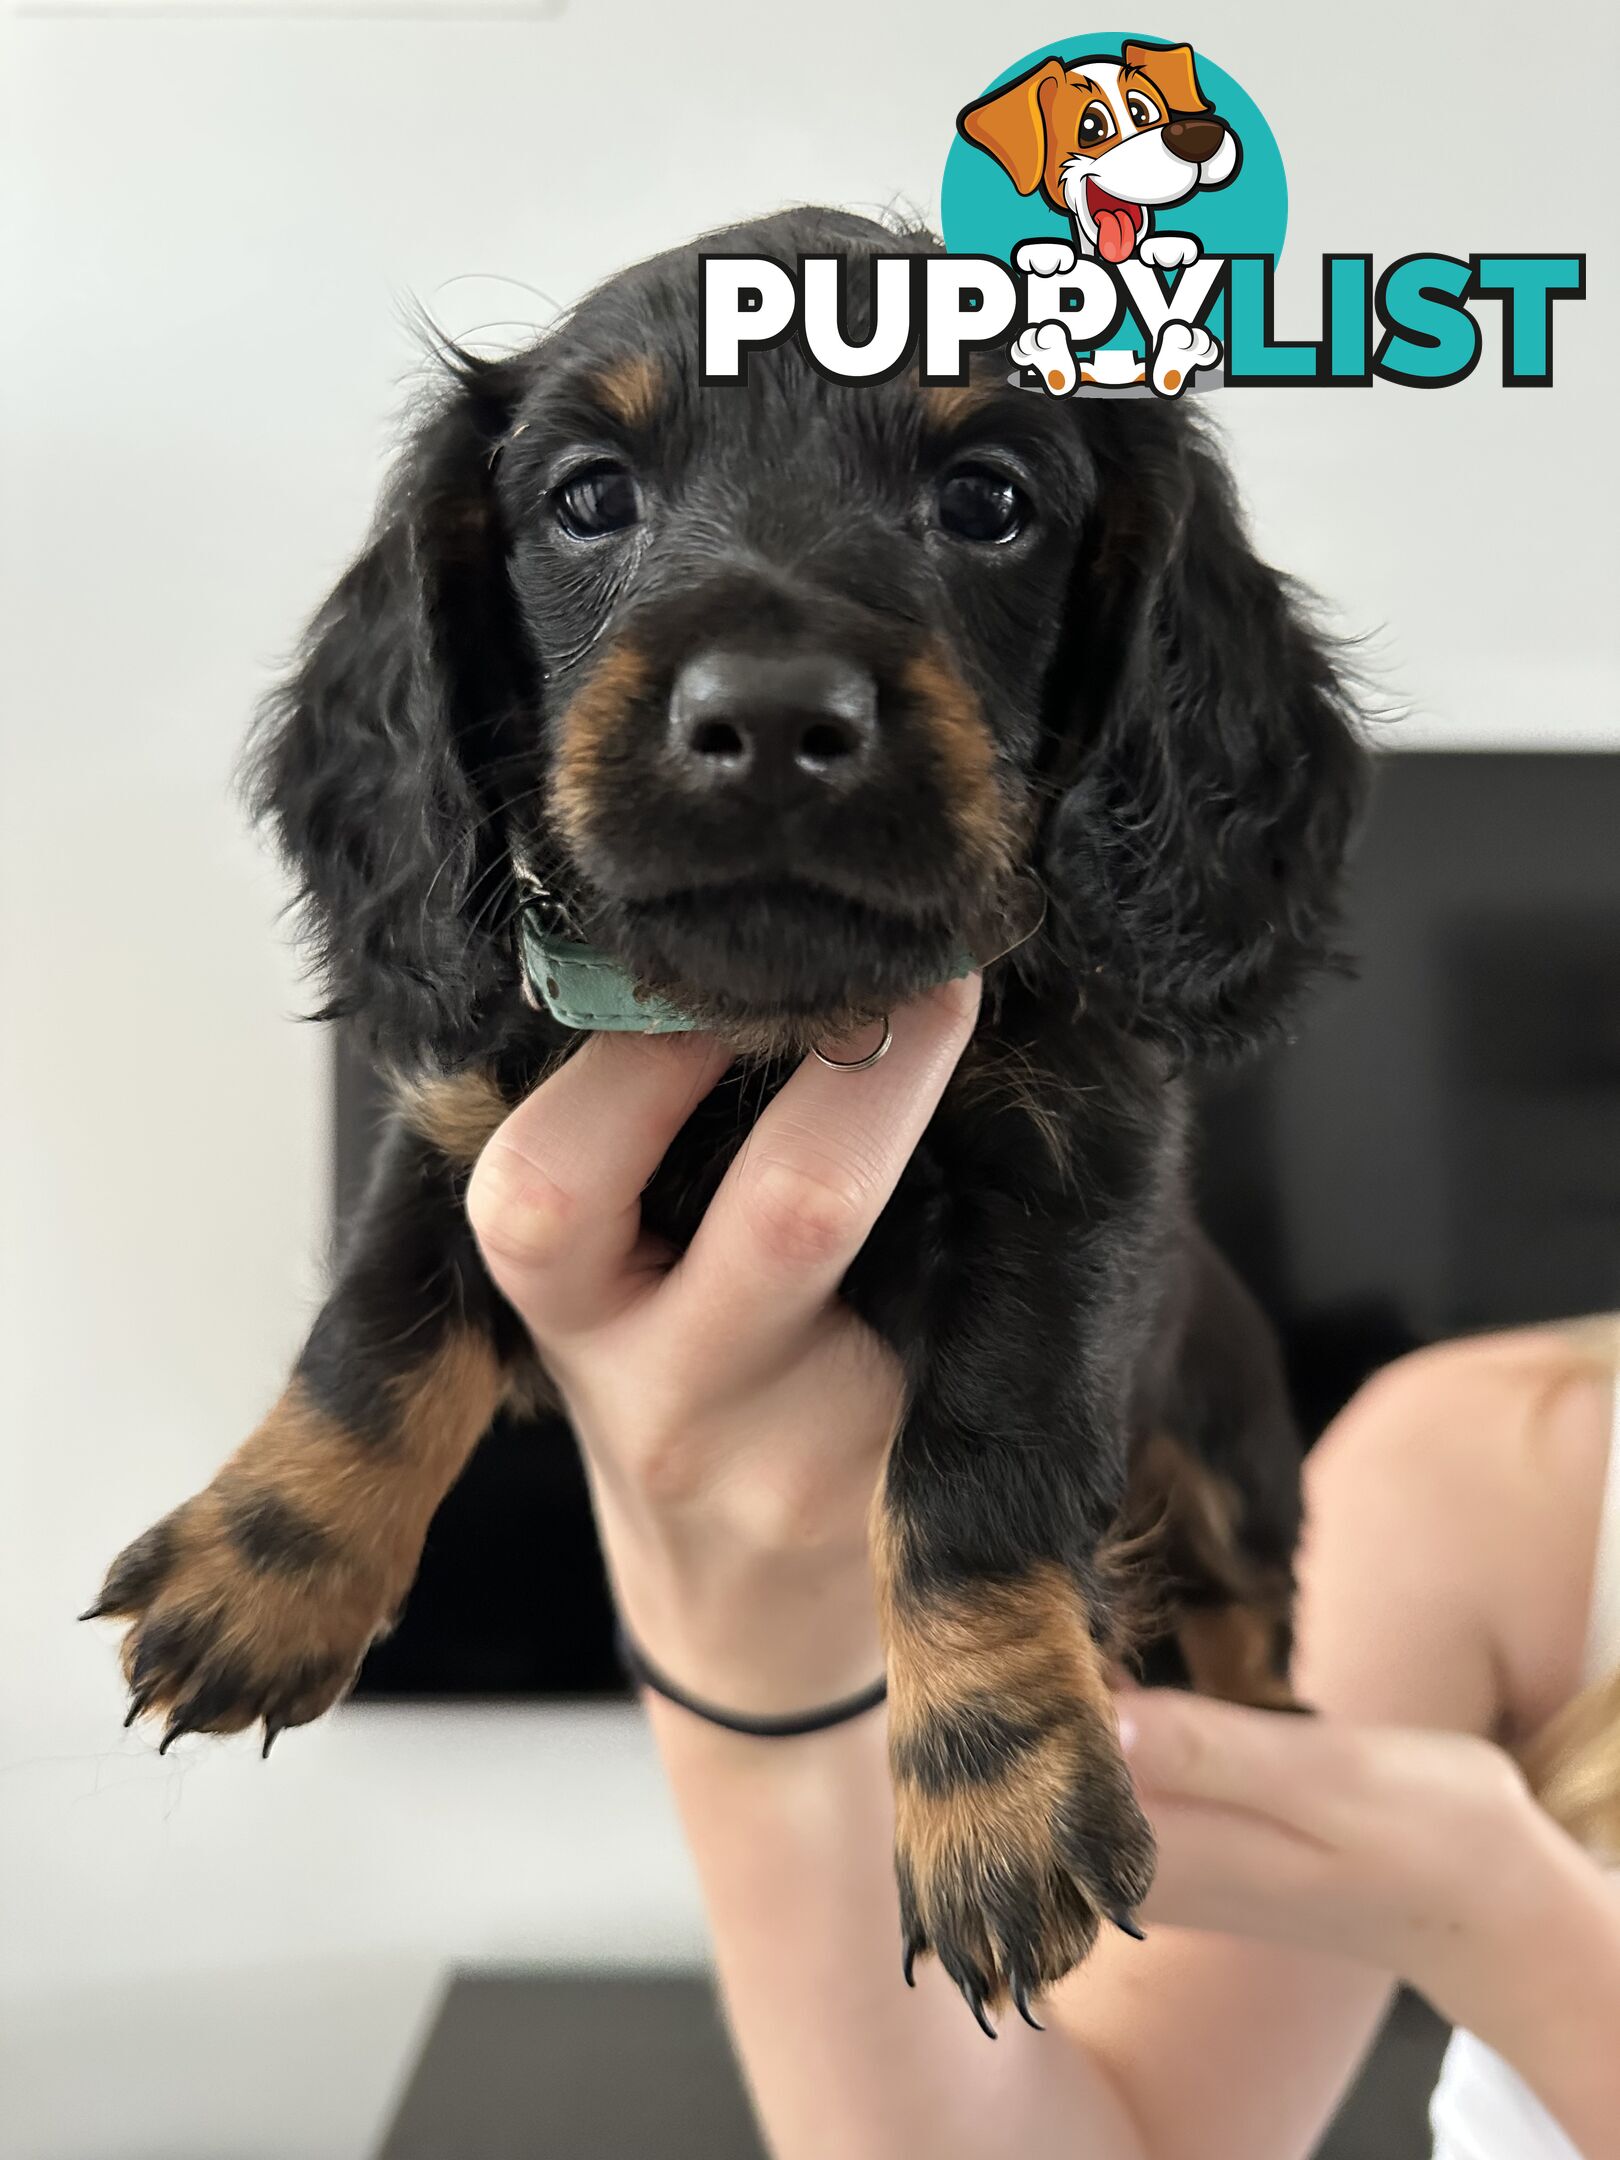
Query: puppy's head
{"type": "Point", "coordinates": [783, 687]}
{"type": "Point", "coordinates": [1107, 140]}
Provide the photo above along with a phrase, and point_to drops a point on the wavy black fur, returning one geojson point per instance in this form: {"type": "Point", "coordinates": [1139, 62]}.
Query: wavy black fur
{"type": "Point", "coordinates": [1121, 696]}
{"type": "Point", "coordinates": [1197, 732]}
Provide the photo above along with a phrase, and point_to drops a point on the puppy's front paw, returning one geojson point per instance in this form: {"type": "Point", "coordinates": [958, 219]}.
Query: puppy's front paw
{"type": "Point", "coordinates": [1182, 349]}
{"type": "Point", "coordinates": [241, 1608]}
{"type": "Point", "coordinates": [1168, 251]}
{"type": "Point", "coordinates": [1045, 347]}
{"type": "Point", "coordinates": [1044, 258]}
{"type": "Point", "coordinates": [1017, 1829]}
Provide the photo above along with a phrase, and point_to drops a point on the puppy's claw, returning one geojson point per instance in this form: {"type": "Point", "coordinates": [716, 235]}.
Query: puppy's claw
{"type": "Point", "coordinates": [975, 2002]}
{"type": "Point", "coordinates": [171, 1733]}
{"type": "Point", "coordinates": [1126, 1923]}
{"type": "Point", "coordinates": [908, 1961]}
{"type": "Point", "coordinates": [273, 1730]}
{"type": "Point", "coordinates": [1020, 1996]}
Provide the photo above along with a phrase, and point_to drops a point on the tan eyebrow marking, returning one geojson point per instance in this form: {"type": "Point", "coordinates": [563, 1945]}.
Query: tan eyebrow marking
{"type": "Point", "coordinates": [630, 389]}
{"type": "Point", "coordinates": [948, 405]}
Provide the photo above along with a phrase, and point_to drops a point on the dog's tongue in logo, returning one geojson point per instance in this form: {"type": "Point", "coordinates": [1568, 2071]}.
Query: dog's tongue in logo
{"type": "Point", "coordinates": [1117, 223]}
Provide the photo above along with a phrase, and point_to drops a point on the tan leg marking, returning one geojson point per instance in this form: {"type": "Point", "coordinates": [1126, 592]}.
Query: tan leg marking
{"type": "Point", "coordinates": [1016, 1828]}
{"type": "Point", "coordinates": [259, 1597]}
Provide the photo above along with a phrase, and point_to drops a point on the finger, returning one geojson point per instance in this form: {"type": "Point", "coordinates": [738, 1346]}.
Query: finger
{"type": "Point", "coordinates": [802, 1196]}
{"type": "Point", "coordinates": [555, 1197]}
{"type": "Point", "coordinates": [1184, 1747]}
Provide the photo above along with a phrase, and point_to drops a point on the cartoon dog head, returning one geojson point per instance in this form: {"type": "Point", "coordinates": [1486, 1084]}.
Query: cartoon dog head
{"type": "Point", "coordinates": [1107, 141]}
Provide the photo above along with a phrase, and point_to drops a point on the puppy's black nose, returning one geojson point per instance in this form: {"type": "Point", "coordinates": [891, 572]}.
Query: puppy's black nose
{"type": "Point", "coordinates": [770, 727]}
{"type": "Point", "coordinates": [1195, 140]}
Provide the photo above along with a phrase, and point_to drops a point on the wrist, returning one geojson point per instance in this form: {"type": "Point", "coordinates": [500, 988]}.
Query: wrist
{"type": "Point", "coordinates": [801, 1724]}
{"type": "Point", "coordinates": [743, 1624]}
{"type": "Point", "coordinates": [1506, 1973]}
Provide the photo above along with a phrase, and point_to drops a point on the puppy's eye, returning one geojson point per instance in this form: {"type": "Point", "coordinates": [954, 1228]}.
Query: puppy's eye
{"type": "Point", "coordinates": [1142, 110]}
{"type": "Point", "coordinates": [600, 500]}
{"type": "Point", "coordinates": [978, 504]}
{"type": "Point", "coordinates": [1096, 123]}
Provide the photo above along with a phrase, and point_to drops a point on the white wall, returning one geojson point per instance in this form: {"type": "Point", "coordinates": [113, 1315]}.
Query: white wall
{"type": "Point", "coordinates": [207, 225]}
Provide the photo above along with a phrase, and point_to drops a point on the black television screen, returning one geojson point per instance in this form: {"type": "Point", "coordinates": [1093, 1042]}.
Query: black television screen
{"type": "Point", "coordinates": [1437, 1150]}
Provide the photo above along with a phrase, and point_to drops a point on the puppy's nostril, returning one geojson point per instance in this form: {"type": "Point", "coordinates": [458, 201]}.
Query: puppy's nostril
{"type": "Point", "coordinates": [718, 739]}
{"type": "Point", "coordinates": [825, 744]}
{"type": "Point", "coordinates": [790, 725]}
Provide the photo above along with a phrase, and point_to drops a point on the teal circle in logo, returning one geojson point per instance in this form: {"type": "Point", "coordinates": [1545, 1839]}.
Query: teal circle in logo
{"type": "Point", "coordinates": [982, 213]}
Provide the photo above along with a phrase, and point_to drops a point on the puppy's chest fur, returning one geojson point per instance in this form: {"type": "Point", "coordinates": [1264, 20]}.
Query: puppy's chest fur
{"type": "Point", "coordinates": [1044, 1136]}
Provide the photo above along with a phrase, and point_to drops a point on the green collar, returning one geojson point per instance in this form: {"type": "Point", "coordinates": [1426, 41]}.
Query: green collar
{"type": "Point", "coordinates": [585, 988]}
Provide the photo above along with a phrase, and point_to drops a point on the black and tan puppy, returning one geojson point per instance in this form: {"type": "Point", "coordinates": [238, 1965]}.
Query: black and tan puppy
{"type": "Point", "coordinates": [788, 692]}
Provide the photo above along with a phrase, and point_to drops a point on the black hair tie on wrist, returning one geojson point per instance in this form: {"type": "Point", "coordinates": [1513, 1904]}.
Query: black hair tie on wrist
{"type": "Point", "coordinates": [645, 1674]}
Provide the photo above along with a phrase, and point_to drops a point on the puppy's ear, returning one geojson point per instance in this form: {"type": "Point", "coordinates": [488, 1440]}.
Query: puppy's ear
{"type": "Point", "coordinates": [1011, 125]}
{"type": "Point", "coordinates": [363, 760]}
{"type": "Point", "coordinates": [1170, 69]}
{"type": "Point", "coordinates": [1212, 748]}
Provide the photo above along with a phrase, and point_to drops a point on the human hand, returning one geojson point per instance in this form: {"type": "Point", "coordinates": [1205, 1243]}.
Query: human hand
{"type": "Point", "coordinates": [732, 1411]}
{"type": "Point", "coordinates": [1419, 1852]}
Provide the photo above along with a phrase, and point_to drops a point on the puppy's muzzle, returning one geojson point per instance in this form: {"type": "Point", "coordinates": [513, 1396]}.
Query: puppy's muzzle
{"type": "Point", "coordinates": [1194, 141]}
{"type": "Point", "coordinates": [768, 730]}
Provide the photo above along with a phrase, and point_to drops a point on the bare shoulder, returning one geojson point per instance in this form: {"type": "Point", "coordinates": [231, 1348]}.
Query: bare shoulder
{"type": "Point", "coordinates": [1482, 1462]}
{"type": "Point", "coordinates": [1526, 1407]}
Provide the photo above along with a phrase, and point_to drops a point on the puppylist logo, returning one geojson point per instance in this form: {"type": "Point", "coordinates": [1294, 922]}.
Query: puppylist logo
{"type": "Point", "coordinates": [1113, 210]}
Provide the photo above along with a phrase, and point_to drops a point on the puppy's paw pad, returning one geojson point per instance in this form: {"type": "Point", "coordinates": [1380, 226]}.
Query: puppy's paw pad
{"type": "Point", "coordinates": [1044, 258]}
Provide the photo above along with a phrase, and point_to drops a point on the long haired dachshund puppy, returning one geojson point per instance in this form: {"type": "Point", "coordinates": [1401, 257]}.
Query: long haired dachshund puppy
{"type": "Point", "coordinates": [787, 694]}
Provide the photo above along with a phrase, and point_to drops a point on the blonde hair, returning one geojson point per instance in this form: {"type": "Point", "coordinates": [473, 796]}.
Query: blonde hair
{"type": "Point", "coordinates": [1573, 1763]}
